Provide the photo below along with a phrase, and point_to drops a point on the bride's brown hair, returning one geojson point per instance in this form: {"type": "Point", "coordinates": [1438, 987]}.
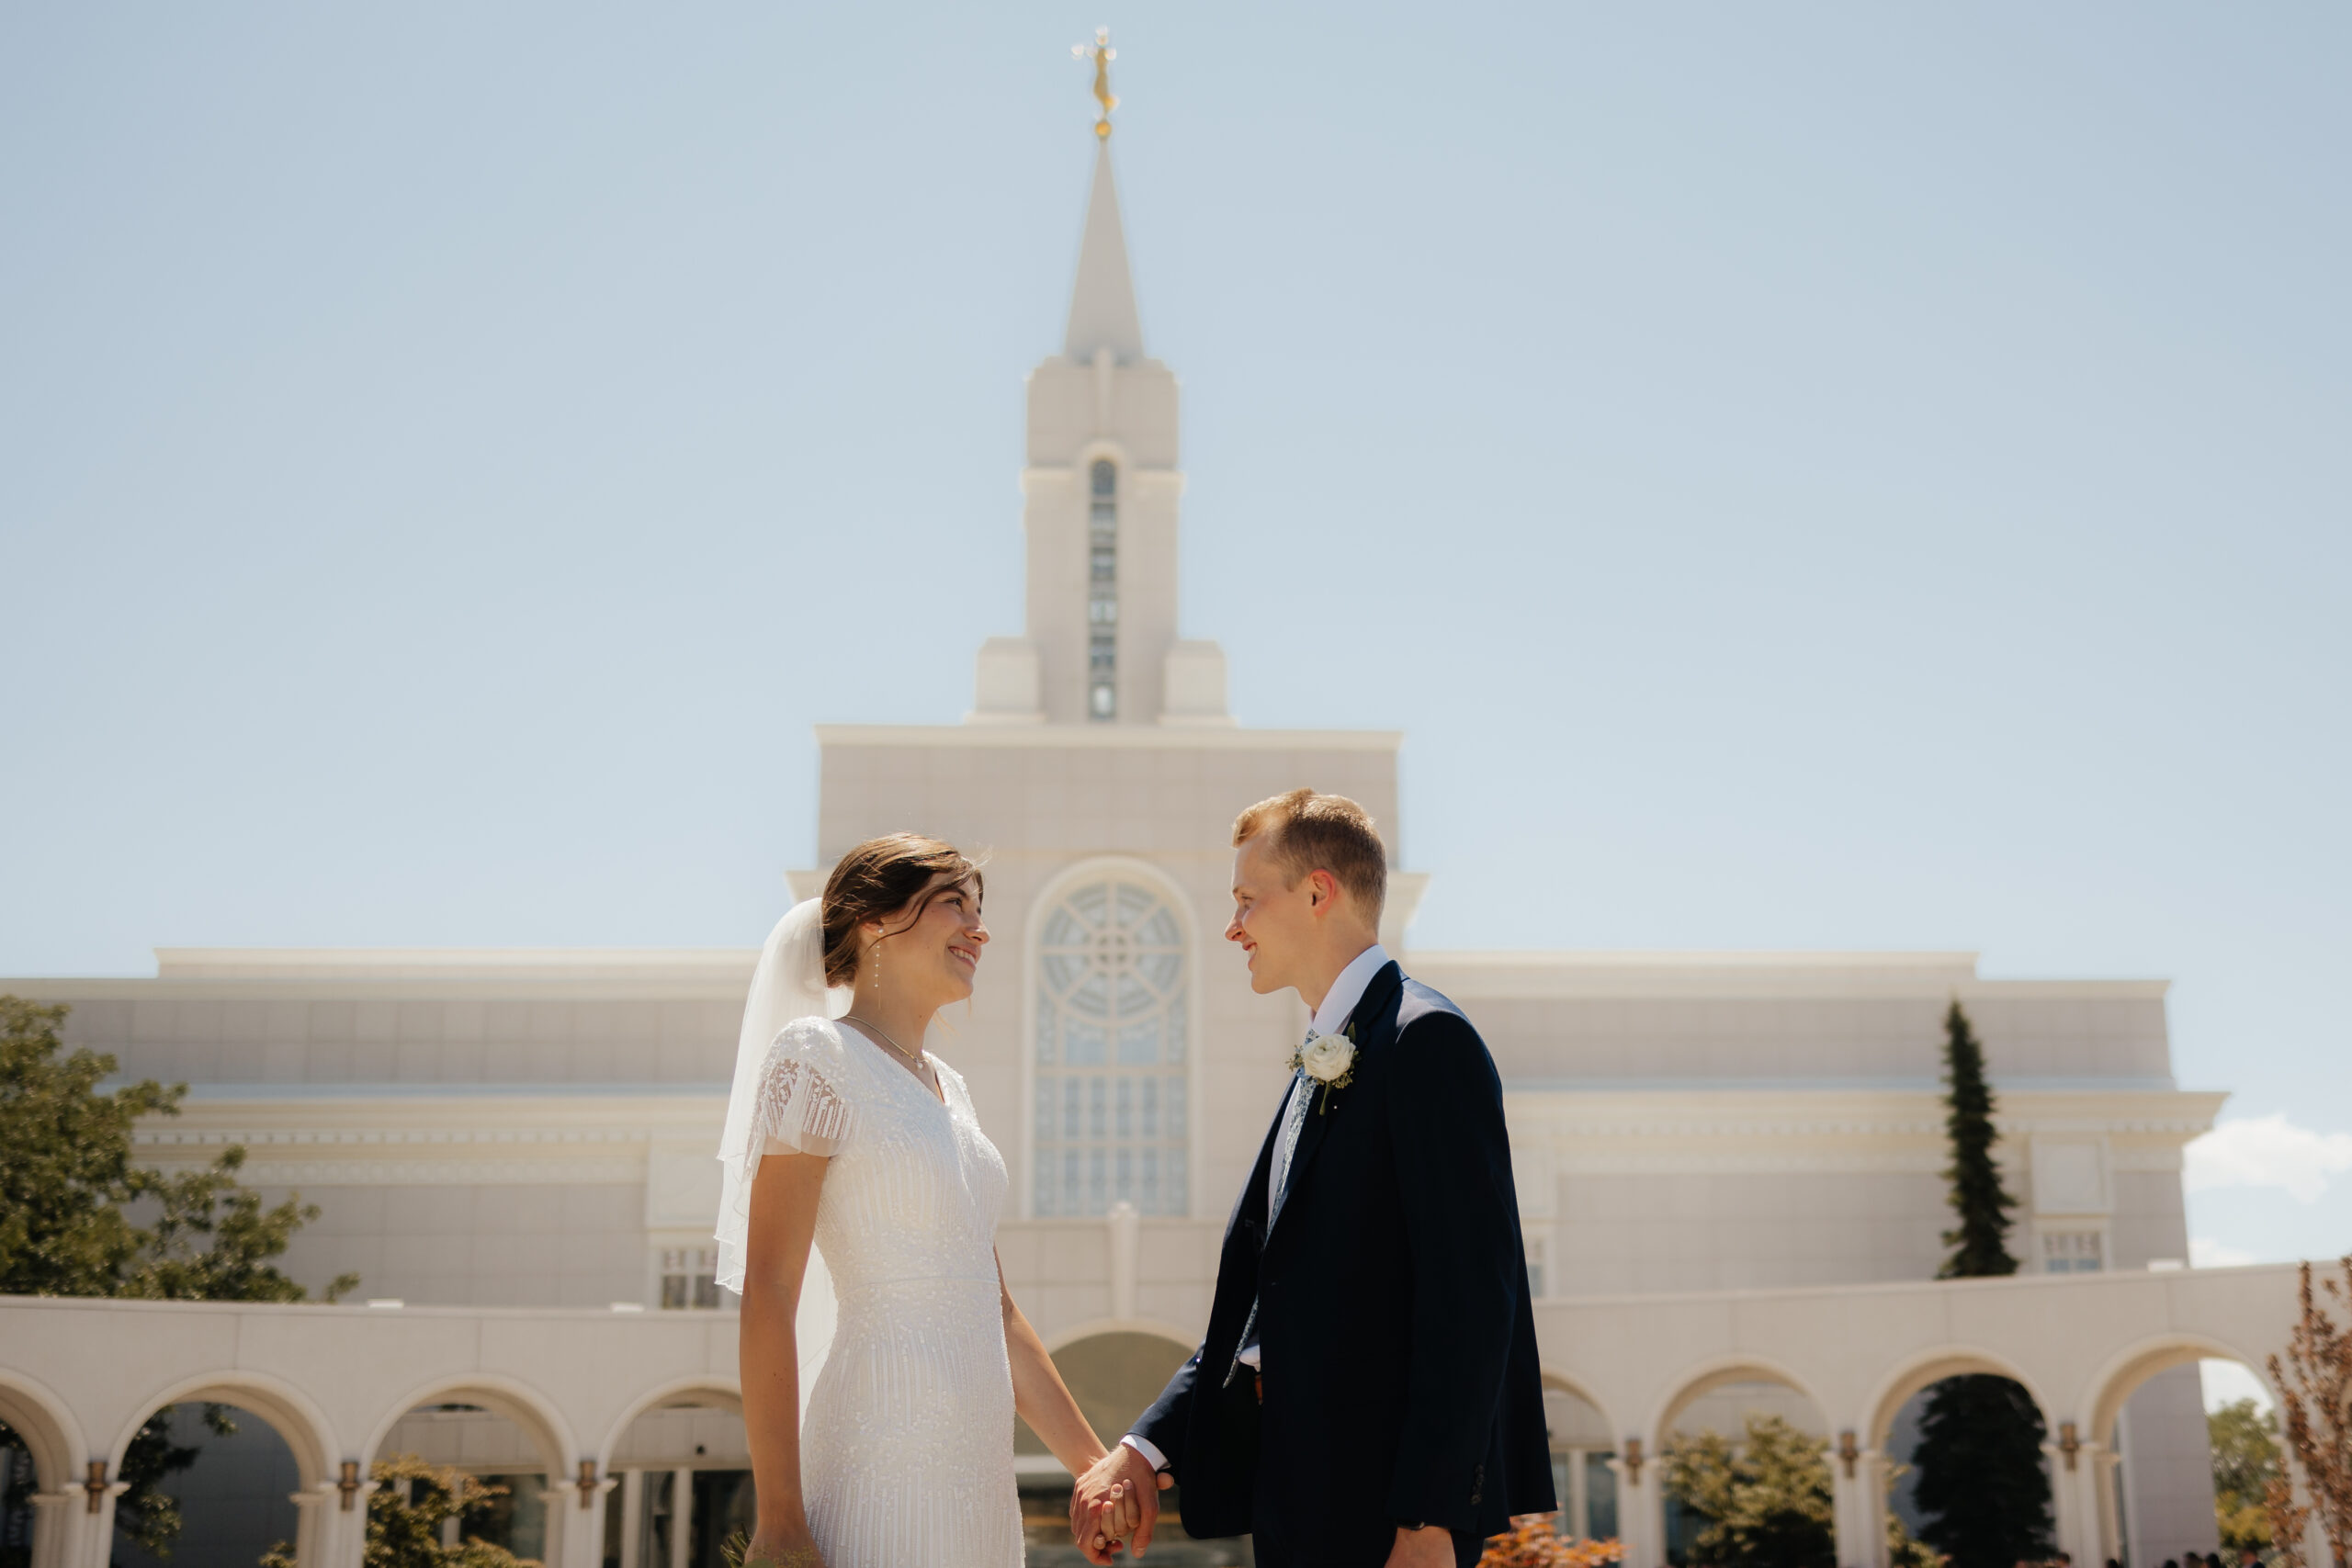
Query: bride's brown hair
{"type": "Point", "coordinates": [877, 879]}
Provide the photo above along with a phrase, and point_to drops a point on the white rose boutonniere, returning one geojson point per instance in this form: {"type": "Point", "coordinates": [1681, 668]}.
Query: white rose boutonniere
{"type": "Point", "coordinates": [1330, 1060]}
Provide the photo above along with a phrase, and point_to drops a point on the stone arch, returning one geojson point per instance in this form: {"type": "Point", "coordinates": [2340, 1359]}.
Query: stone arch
{"type": "Point", "coordinates": [1115, 1373]}
{"type": "Point", "coordinates": [291, 1413]}
{"type": "Point", "coordinates": [47, 1428]}
{"type": "Point", "coordinates": [1147, 1326]}
{"type": "Point", "coordinates": [1576, 1386]}
{"type": "Point", "coordinates": [1932, 1366]}
{"type": "Point", "coordinates": [707, 1391]}
{"type": "Point", "coordinates": [1693, 1383]}
{"type": "Point", "coordinates": [1584, 1444]}
{"type": "Point", "coordinates": [1049, 897]}
{"type": "Point", "coordinates": [530, 1410]}
{"type": "Point", "coordinates": [2105, 1395]}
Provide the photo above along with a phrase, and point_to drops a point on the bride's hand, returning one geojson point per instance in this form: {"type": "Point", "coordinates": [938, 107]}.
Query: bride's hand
{"type": "Point", "coordinates": [782, 1549]}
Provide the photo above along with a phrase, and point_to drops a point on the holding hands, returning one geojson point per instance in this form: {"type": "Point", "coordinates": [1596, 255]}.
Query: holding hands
{"type": "Point", "coordinates": [1116, 1500]}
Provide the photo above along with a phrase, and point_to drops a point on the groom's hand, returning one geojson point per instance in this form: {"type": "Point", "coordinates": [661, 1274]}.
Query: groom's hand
{"type": "Point", "coordinates": [1431, 1546]}
{"type": "Point", "coordinates": [1116, 1499]}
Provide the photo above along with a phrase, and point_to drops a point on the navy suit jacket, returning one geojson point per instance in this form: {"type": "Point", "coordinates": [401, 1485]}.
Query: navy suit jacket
{"type": "Point", "coordinates": [1401, 1380]}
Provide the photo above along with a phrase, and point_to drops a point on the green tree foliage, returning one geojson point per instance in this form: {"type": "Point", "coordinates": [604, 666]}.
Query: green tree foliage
{"type": "Point", "coordinates": [2244, 1440]}
{"type": "Point", "coordinates": [65, 1171]}
{"type": "Point", "coordinates": [1980, 1242]}
{"type": "Point", "coordinates": [405, 1514]}
{"type": "Point", "coordinates": [1764, 1496]}
{"type": "Point", "coordinates": [1982, 1485]}
{"type": "Point", "coordinates": [69, 1190]}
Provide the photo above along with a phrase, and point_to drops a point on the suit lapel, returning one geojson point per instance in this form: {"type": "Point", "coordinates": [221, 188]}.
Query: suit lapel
{"type": "Point", "coordinates": [1375, 1021]}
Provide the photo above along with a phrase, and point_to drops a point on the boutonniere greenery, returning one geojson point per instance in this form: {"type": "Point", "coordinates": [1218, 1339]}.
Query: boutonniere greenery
{"type": "Point", "coordinates": [1330, 1060]}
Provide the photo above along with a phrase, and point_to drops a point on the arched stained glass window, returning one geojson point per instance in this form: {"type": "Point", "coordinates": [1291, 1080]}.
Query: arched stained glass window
{"type": "Point", "coordinates": [1111, 1046]}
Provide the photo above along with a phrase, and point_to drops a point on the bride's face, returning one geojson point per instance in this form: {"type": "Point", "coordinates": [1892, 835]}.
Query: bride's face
{"type": "Point", "coordinates": [937, 956]}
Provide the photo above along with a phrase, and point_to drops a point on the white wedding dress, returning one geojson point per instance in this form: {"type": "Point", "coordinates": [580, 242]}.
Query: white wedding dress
{"type": "Point", "coordinates": [906, 1446]}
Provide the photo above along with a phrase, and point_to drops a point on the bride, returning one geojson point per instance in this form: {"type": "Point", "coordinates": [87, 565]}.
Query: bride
{"type": "Point", "coordinates": [844, 1132]}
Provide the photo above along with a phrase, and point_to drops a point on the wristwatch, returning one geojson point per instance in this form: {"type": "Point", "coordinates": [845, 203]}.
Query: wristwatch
{"type": "Point", "coordinates": [1412, 1524]}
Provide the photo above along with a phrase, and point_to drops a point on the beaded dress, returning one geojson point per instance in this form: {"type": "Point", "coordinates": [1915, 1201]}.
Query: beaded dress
{"type": "Point", "coordinates": [906, 1449]}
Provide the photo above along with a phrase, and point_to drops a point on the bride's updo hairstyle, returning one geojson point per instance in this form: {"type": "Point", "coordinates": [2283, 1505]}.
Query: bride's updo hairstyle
{"type": "Point", "coordinates": [876, 880]}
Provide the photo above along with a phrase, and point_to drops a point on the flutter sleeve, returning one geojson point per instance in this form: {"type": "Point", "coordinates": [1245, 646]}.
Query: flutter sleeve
{"type": "Point", "coordinates": [802, 1104]}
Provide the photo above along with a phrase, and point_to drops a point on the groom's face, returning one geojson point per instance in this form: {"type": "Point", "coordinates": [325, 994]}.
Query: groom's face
{"type": "Point", "coordinates": [1273, 920]}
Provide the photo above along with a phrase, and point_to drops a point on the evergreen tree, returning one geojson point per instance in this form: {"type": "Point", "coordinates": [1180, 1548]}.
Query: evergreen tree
{"type": "Point", "coordinates": [1983, 1487]}
{"type": "Point", "coordinates": [1979, 1243]}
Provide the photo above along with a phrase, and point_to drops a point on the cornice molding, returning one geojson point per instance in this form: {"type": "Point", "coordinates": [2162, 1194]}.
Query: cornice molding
{"type": "Point", "coordinates": [619, 1171]}
{"type": "Point", "coordinates": [1102, 738]}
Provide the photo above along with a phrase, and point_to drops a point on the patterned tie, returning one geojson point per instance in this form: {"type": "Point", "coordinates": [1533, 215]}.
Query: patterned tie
{"type": "Point", "coordinates": [1302, 1092]}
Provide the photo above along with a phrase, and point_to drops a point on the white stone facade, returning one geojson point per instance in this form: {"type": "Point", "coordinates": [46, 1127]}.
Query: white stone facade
{"type": "Point", "coordinates": [534, 1130]}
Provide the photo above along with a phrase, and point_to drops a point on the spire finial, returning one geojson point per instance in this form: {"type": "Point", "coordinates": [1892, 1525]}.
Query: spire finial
{"type": "Point", "coordinates": [1102, 53]}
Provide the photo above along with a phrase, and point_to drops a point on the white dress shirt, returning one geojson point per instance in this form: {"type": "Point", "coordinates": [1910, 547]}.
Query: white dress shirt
{"type": "Point", "coordinates": [1341, 1000]}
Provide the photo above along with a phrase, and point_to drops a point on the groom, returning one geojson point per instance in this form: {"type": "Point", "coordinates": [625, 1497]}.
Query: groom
{"type": "Point", "coordinates": [1368, 1392]}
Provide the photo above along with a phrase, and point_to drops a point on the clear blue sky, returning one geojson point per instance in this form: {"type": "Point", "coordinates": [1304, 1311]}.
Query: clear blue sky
{"type": "Point", "coordinates": [1803, 476]}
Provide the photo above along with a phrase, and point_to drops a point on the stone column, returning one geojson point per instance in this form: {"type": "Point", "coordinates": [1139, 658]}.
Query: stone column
{"type": "Point", "coordinates": [1641, 1509]}
{"type": "Point", "coordinates": [1850, 1478]}
{"type": "Point", "coordinates": [632, 1515]}
{"type": "Point", "coordinates": [2110, 1514]}
{"type": "Point", "coordinates": [682, 1517]}
{"type": "Point", "coordinates": [583, 1505]}
{"type": "Point", "coordinates": [2073, 1496]}
{"type": "Point", "coordinates": [90, 1544]}
{"type": "Point", "coordinates": [57, 1529]}
{"type": "Point", "coordinates": [314, 1529]}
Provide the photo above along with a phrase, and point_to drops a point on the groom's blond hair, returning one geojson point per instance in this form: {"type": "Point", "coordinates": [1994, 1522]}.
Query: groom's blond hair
{"type": "Point", "coordinates": [1305, 831]}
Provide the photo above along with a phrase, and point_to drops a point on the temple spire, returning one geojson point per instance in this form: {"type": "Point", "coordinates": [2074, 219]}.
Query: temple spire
{"type": "Point", "coordinates": [1102, 306]}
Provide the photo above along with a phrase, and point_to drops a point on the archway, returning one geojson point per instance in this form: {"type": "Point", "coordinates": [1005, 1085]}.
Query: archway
{"type": "Point", "coordinates": [1933, 1468]}
{"type": "Point", "coordinates": [219, 1470]}
{"type": "Point", "coordinates": [2147, 1476]}
{"type": "Point", "coordinates": [1115, 1373]}
{"type": "Point", "coordinates": [503, 1436]}
{"type": "Point", "coordinates": [681, 1473]}
{"type": "Point", "coordinates": [38, 1443]}
{"type": "Point", "coordinates": [1717, 1425]}
{"type": "Point", "coordinates": [1584, 1460]}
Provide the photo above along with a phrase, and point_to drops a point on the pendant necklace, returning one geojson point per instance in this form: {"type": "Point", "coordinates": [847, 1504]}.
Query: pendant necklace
{"type": "Point", "coordinates": [913, 1061]}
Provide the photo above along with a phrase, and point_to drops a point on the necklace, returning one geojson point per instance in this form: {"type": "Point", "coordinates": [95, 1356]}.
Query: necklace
{"type": "Point", "coordinates": [912, 1060]}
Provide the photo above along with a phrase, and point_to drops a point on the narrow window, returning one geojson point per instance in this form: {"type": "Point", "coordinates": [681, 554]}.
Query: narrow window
{"type": "Point", "coordinates": [2073, 1252]}
{"type": "Point", "coordinates": [1103, 591]}
{"type": "Point", "coordinates": [689, 1280]}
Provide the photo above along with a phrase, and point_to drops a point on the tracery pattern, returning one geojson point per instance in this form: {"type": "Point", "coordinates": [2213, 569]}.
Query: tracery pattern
{"type": "Point", "coordinates": [1110, 1043]}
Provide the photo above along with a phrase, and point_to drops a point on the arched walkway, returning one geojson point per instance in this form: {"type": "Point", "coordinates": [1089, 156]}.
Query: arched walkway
{"type": "Point", "coordinates": [51, 1439]}
{"type": "Point", "coordinates": [2096, 1470]}
{"type": "Point", "coordinates": [1722, 1396]}
{"type": "Point", "coordinates": [287, 1411]}
{"type": "Point", "coordinates": [677, 1469]}
{"type": "Point", "coordinates": [1891, 1434]}
{"type": "Point", "coordinates": [499, 1428]}
{"type": "Point", "coordinates": [1584, 1458]}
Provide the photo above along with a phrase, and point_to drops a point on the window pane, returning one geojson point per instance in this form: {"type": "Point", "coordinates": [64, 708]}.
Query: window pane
{"type": "Point", "coordinates": [1110, 1020]}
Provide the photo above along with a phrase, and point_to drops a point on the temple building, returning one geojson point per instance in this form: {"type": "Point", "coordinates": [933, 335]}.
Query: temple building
{"type": "Point", "coordinates": [536, 1129]}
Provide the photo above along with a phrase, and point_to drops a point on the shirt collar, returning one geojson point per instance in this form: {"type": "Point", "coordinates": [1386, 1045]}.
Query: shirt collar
{"type": "Point", "coordinates": [1348, 989]}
